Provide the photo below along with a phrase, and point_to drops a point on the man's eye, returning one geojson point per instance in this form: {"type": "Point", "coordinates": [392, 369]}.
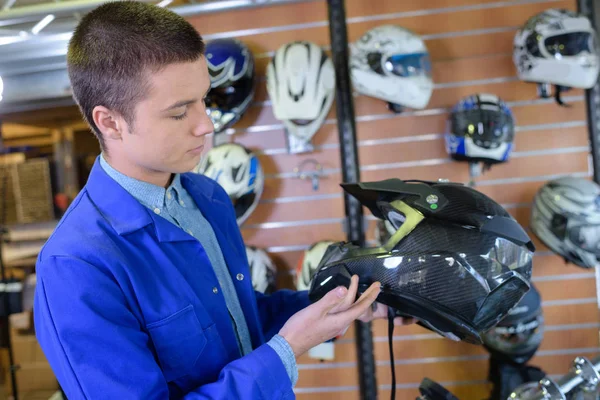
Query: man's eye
{"type": "Point", "coordinates": [179, 117]}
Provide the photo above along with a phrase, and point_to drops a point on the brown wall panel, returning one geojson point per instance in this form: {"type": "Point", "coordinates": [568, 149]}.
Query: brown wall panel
{"type": "Point", "coordinates": [571, 314]}
{"type": "Point", "coordinates": [470, 43]}
{"type": "Point", "coordinates": [290, 187]}
{"type": "Point", "coordinates": [423, 24]}
{"type": "Point", "coordinates": [432, 170]}
{"type": "Point", "coordinates": [467, 45]}
{"type": "Point", "coordinates": [552, 265]}
{"type": "Point", "coordinates": [417, 350]}
{"type": "Point", "coordinates": [282, 163]}
{"type": "Point", "coordinates": [389, 153]}
{"type": "Point", "coordinates": [298, 235]}
{"type": "Point", "coordinates": [298, 210]}
{"type": "Point", "coordinates": [554, 315]}
{"type": "Point", "coordinates": [540, 165]}
{"type": "Point", "coordinates": [471, 370]}
{"type": "Point", "coordinates": [441, 98]}
{"type": "Point", "coordinates": [552, 139]}
{"type": "Point", "coordinates": [411, 125]}
{"type": "Point", "coordinates": [567, 289]}
{"type": "Point", "coordinates": [462, 391]}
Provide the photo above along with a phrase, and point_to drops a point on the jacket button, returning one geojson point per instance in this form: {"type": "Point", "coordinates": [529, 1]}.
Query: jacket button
{"type": "Point", "coordinates": [157, 210]}
{"type": "Point", "coordinates": [240, 277]}
{"type": "Point", "coordinates": [215, 290]}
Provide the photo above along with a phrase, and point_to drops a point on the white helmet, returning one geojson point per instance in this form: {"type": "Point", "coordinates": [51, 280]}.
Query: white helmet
{"type": "Point", "coordinates": [309, 262]}
{"type": "Point", "coordinates": [557, 47]}
{"type": "Point", "coordinates": [566, 217]}
{"type": "Point", "coordinates": [392, 63]}
{"type": "Point", "coordinates": [301, 85]}
{"type": "Point", "coordinates": [262, 270]}
{"type": "Point", "coordinates": [239, 172]}
{"type": "Point", "coordinates": [383, 231]}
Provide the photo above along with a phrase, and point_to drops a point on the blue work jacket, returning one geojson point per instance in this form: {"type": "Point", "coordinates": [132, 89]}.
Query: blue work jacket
{"type": "Point", "coordinates": [128, 306]}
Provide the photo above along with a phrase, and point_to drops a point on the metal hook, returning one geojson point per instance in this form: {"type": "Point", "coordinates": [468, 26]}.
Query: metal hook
{"type": "Point", "coordinates": [313, 175]}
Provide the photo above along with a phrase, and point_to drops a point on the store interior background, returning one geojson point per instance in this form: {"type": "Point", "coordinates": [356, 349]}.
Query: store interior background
{"type": "Point", "coordinates": [470, 43]}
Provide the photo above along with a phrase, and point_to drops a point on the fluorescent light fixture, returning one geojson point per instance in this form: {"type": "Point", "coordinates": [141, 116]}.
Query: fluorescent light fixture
{"type": "Point", "coordinates": [42, 24]}
{"type": "Point", "coordinates": [8, 4]}
{"type": "Point", "coordinates": [164, 3]}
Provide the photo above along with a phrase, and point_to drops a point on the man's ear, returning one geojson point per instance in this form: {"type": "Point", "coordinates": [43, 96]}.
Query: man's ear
{"type": "Point", "coordinates": [110, 123]}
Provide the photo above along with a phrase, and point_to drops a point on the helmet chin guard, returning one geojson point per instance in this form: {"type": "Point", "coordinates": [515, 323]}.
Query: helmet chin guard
{"type": "Point", "coordinates": [458, 262]}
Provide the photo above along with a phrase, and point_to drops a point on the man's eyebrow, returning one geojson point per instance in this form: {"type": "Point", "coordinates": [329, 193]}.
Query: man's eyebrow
{"type": "Point", "coordinates": [180, 104]}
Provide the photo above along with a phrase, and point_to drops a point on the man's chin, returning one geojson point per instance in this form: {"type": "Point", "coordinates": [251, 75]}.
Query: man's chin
{"type": "Point", "coordinates": [189, 165]}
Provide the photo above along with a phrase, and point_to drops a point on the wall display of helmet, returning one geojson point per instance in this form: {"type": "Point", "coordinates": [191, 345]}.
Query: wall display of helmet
{"type": "Point", "coordinates": [239, 172]}
{"type": "Point", "coordinates": [392, 63]}
{"type": "Point", "coordinates": [308, 263]}
{"type": "Point", "coordinates": [481, 130]}
{"type": "Point", "coordinates": [516, 338]}
{"type": "Point", "coordinates": [457, 262]}
{"type": "Point", "coordinates": [301, 86]}
{"type": "Point", "coordinates": [565, 216]}
{"type": "Point", "coordinates": [262, 270]}
{"type": "Point", "coordinates": [383, 231]}
{"type": "Point", "coordinates": [557, 47]}
{"type": "Point", "coordinates": [232, 81]}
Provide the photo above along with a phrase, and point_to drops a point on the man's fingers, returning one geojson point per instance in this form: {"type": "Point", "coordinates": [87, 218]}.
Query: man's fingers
{"type": "Point", "coordinates": [350, 296]}
{"type": "Point", "coordinates": [332, 299]}
{"type": "Point", "coordinates": [363, 303]}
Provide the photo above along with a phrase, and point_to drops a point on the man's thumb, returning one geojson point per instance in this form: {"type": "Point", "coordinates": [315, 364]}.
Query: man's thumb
{"type": "Point", "coordinates": [334, 297]}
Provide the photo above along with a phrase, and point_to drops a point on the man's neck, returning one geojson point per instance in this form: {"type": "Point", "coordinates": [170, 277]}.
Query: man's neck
{"type": "Point", "coordinates": [158, 178]}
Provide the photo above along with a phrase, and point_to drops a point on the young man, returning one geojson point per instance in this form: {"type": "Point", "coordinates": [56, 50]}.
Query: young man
{"type": "Point", "coordinates": [144, 289]}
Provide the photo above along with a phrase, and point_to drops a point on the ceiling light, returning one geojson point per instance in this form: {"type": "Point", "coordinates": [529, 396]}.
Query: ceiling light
{"type": "Point", "coordinates": [42, 24]}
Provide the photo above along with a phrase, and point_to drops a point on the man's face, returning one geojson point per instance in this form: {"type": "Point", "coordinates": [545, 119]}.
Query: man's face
{"type": "Point", "coordinates": [170, 124]}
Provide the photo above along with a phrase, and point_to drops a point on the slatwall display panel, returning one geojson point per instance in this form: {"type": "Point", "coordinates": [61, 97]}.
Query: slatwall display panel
{"type": "Point", "coordinates": [470, 43]}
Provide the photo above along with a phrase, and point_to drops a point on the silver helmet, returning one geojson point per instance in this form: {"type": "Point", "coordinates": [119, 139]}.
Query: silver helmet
{"type": "Point", "coordinates": [566, 217]}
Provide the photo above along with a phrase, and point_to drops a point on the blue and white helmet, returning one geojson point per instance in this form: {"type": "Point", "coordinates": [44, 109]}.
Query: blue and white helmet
{"type": "Point", "coordinates": [239, 172]}
{"type": "Point", "coordinates": [481, 129]}
{"type": "Point", "coordinates": [232, 81]}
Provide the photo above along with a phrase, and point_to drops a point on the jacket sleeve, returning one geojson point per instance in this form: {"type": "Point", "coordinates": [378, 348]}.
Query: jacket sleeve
{"type": "Point", "coordinates": [275, 309]}
{"type": "Point", "coordinates": [97, 347]}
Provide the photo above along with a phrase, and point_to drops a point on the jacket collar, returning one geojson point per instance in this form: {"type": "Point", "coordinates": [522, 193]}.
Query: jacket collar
{"type": "Point", "coordinates": [121, 209]}
{"type": "Point", "coordinates": [126, 214]}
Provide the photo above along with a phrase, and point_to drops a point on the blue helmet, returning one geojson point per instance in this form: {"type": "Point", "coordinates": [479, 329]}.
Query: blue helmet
{"type": "Point", "coordinates": [481, 129]}
{"type": "Point", "coordinates": [232, 77]}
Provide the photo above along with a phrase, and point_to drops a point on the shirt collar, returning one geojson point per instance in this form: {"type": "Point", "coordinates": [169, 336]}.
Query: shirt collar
{"type": "Point", "coordinates": [148, 194]}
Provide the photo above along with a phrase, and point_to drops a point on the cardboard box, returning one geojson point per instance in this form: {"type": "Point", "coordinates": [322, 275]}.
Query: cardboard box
{"type": "Point", "coordinates": [33, 377]}
{"type": "Point", "coordinates": [27, 350]}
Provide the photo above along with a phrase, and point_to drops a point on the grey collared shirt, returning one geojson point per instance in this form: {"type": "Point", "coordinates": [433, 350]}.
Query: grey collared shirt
{"type": "Point", "coordinates": [177, 206]}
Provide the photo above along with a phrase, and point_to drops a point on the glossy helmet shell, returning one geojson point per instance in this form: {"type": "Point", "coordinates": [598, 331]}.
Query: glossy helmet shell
{"type": "Point", "coordinates": [458, 262]}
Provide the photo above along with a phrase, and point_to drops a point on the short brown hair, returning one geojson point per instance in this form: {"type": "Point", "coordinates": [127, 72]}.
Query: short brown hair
{"type": "Point", "coordinates": [116, 45]}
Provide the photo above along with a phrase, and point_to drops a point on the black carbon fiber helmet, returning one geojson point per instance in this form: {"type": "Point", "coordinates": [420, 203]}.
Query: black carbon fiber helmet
{"type": "Point", "coordinates": [458, 262]}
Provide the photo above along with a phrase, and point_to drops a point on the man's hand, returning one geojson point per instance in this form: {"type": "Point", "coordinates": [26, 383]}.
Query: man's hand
{"type": "Point", "coordinates": [376, 311]}
{"type": "Point", "coordinates": [328, 317]}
